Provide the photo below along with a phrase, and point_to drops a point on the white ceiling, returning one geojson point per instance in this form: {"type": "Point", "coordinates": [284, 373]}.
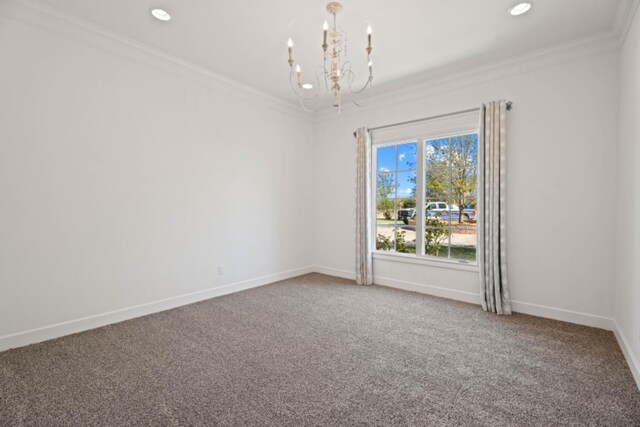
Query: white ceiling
{"type": "Point", "coordinates": [246, 39]}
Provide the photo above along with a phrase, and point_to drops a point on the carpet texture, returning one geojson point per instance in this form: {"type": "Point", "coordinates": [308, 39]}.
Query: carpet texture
{"type": "Point", "coordinates": [316, 350]}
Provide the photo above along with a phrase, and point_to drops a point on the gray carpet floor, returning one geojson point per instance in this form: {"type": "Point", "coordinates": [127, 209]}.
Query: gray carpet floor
{"type": "Point", "coordinates": [317, 350]}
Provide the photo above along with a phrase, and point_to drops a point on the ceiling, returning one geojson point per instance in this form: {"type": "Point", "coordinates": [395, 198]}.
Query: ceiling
{"type": "Point", "coordinates": [245, 40]}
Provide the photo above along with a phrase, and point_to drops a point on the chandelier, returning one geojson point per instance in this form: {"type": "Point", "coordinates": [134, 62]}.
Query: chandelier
{"type": "Point", "coordinates": [335, 72]}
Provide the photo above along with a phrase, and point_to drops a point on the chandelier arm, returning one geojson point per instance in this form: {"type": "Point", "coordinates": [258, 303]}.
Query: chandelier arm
{"type": "Point", "coordinates": [326, 77]}
{"type": "Point", "coordinates": [368, 102]}
{"type": "Point", "coordinates": [368, 84]}
{"type": "Point", "coordinates": [298, 93]}
{"type": "Point", "coordinates": [317, 85]}
{"type": "Point", "coordinates": [304, 107]}
{"type": "Point", "coordinates": [351, 77]}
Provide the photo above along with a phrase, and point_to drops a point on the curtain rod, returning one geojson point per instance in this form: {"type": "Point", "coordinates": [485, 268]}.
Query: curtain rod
{"type": "Point", "coordinates": [440, 116]}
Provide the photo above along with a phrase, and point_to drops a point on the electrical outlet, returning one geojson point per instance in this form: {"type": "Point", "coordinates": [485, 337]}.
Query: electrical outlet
{"type": "Point", "coordinates": [221, 270]}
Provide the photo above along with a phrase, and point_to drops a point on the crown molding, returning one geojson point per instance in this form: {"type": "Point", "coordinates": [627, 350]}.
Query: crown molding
{"type": "Point", "coordinates": [451, 78]}
{"type": "Point", "coordinates": [53, 20]}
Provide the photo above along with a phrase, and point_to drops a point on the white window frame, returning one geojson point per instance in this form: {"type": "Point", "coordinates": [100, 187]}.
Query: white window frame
{"type": "Point", "coordinates": [404, 137]}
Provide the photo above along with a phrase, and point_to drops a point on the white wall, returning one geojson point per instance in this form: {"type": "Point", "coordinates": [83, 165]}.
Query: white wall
{"type": "Point", "coordinates": [123, 184]}
{"type": "Point", "coordinates": [561, 184]}
{"type": "Point", "coordinates": [627, 292]}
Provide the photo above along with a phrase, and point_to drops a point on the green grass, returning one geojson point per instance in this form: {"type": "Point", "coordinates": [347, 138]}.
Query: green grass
{"type": "Point", "coordinates": [466, 253]}
{"type": "Point", "coordinates": [463, 252]}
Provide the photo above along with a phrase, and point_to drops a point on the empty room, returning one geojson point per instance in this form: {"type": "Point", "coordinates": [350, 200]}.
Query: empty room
{"type": "Point", "coordinates": [313, 213]}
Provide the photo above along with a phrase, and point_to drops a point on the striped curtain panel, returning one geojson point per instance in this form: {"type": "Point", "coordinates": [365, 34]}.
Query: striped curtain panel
{"type": "Point", "coordinates": [492, 253]}
{"type": "Point", "coordinates": [364, 227]}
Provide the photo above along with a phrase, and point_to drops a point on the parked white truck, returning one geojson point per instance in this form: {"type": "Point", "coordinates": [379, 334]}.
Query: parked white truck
{"type": "Point", "coordinates": [438, 210]}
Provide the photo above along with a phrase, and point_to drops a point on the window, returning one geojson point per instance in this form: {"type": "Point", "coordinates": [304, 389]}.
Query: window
{"type": "Point", "coordinates": [396, 196]}
{"type": "Point", "coordinates": [430, 165]}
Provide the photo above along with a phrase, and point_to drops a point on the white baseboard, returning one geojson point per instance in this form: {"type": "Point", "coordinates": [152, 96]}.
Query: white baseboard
{"type": "Point", "coordinates": [335, 272]}
{"type": "Point", "coordinates": [57, 330]}
{"type": "Point", "coordinates": [44, 333]}
{"type": "Point", "coordinates": [404, 285]}
{"type": "Point", "coordinates": [474, 298]}
{"type": "Point", "coordinates": [632, 360]}
{"type": "Point", "coordinates": [562, 314]}
{"type": "Point", "coordinates": [470, 297]}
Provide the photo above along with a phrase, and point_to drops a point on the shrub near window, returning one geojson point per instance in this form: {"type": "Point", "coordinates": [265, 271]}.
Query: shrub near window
{"type": "Point", "coordinates": [435, 233]}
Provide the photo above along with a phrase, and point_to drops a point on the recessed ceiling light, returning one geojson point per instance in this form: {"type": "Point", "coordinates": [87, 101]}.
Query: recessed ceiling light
{"type": "Point", "coordinates": [307, 86]}
{"type": "Point", "coordinates": [520, 8]}
{"type": "Point", "coordinates": [160, 14]}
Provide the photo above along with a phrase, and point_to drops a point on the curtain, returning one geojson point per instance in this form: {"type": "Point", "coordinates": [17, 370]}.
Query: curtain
{"type": "Point", "coordinates": [492, 253]}
{"type": "Point", "coordinates": [364, 261]}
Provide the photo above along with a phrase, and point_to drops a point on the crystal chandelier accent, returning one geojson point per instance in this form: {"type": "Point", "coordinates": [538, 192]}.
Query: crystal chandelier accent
{"type": "Point", "coordinates": [335, 73]}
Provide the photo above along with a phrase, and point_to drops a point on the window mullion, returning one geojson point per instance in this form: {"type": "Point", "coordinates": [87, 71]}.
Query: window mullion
{"type": "Point", "coordinates": [420, 204]}
{"type": "Point", "coordinates": [449, 192]}
{"type": "Point", "coordinates": [395, 200]}
{"type": "Point", "coordinates": [374, 194]}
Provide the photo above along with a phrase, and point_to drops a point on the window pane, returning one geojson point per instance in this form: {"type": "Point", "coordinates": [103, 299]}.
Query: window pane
{"type": "Point", "coordinates": [436, 184]}
{"type": "Point", "coordinates": [464, 233]}
{"type": "Point", "coordinates": [463, 214]}
{"type": "Point", "coordinates": [407, 210]}
{"type": "Point", "coordinates": [385, 236]}
{"type": "Point", "coordinates": [464, 151]}
{"type": "Point", "coordinates": [464, 240]}
{"type": "Point", "coordinates": [451, 181]}
{"type": "Point", "coordinates": [406, 201]}
{"type": "Point", "coordinates": [407, 156]}
{"type": "Point", "coordinates": [437, 152]}
{"type": "Point", "coordinates": [396, 198]}
{"type": "Point", "coordinates": [406, 239]}
{"type": "Point", "coordinates": [385, 195]}
{"type": "Point", "coordinates": [385, 198]}
{"type": "Point", "coordinates": [436, 238]}
{"type": "Point", "coordinates": [406, 186]}
{"type": "Point", "coordinates": [464, 186]}
{"type": "Point", "coordinates": [386, 159]}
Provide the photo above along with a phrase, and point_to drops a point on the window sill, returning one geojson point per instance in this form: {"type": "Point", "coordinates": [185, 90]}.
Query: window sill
{"type": "Point", "coordinates": [431, 262]}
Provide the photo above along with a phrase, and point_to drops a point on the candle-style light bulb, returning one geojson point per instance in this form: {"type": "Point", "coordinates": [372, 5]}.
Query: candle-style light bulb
{"type": "Point", "coordinates": [299, 74]}
{"type": "Point", "coordinates": [290, 48]}
{"type": "Point", "coordinates": [325, 27]}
